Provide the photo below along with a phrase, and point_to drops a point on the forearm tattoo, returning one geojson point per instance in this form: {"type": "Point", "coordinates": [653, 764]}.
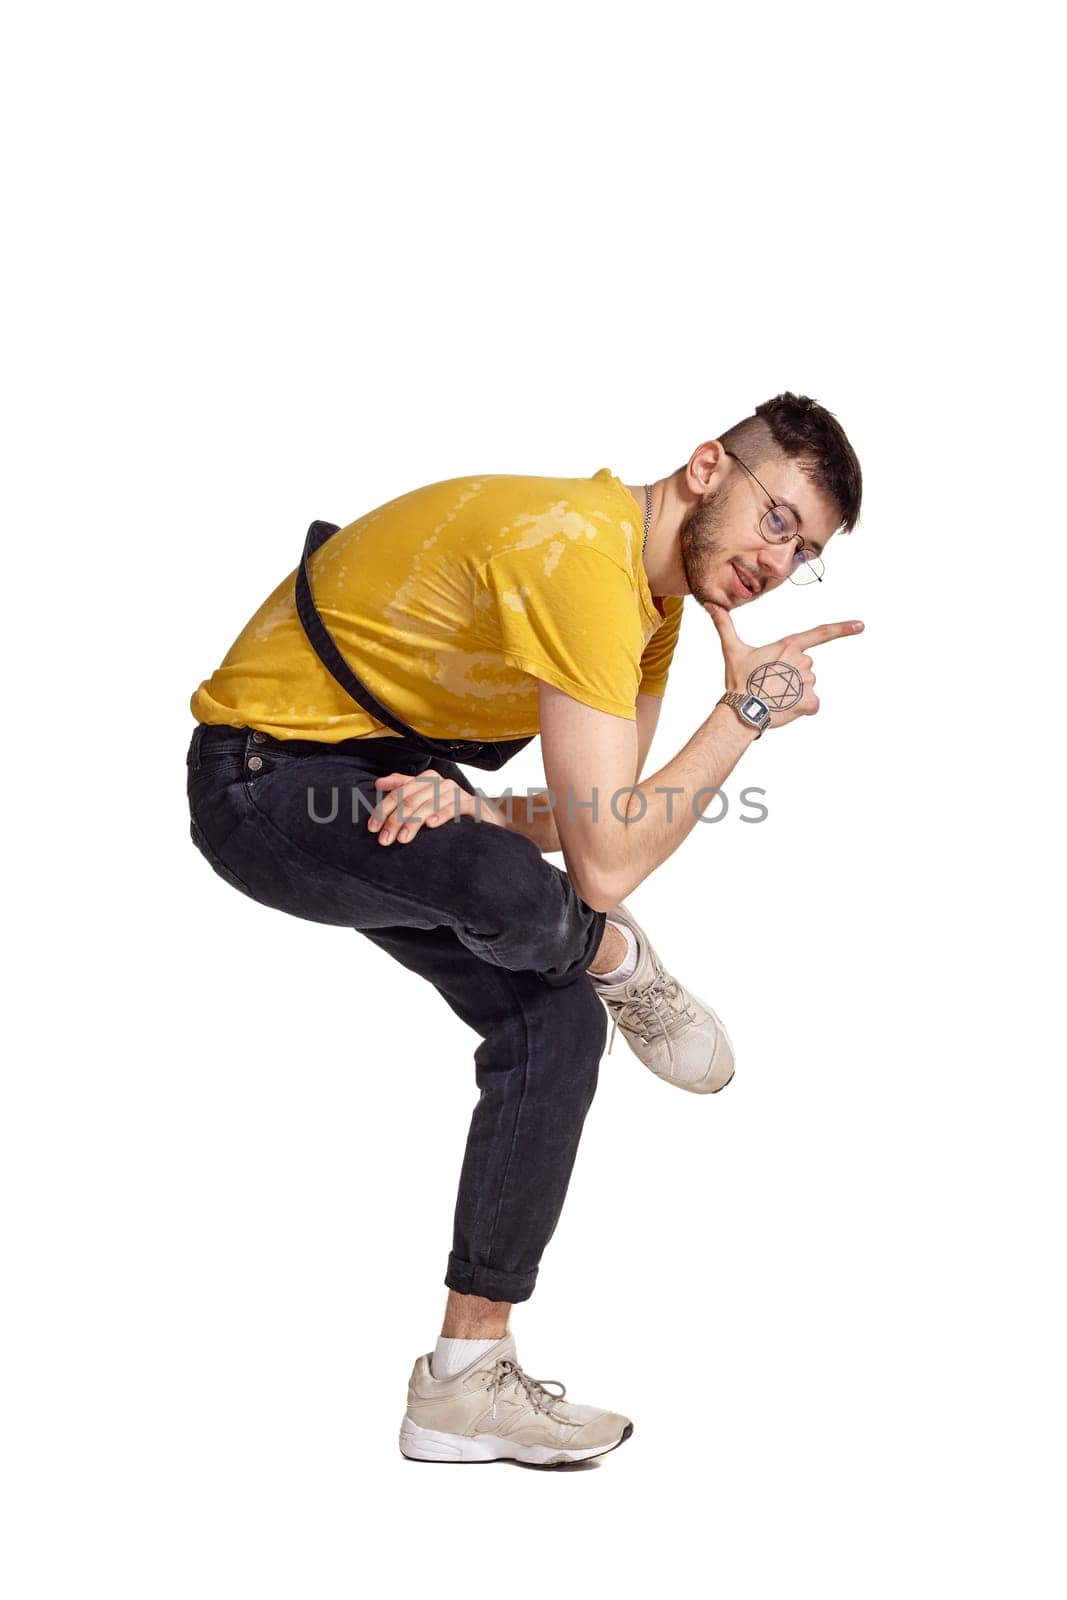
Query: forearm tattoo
{"type": "Point", "coordinates": [778, 684]}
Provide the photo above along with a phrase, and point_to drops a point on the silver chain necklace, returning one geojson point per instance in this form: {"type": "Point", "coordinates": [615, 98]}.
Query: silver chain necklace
{"type": "Point", "coordinates": [648, 517]}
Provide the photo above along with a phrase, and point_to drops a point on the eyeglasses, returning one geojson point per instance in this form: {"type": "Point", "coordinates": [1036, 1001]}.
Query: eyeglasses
{"type": "Point", "coordinates": [778, 526]}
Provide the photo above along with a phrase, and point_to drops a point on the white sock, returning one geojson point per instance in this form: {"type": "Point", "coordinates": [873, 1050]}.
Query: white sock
{"type": "Point", "coordinates": [628, 965]}
{"type": "Point", "coordinates": [452, 1355]}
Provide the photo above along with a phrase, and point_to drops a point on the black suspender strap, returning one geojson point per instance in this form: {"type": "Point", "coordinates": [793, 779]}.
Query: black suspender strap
{"type": "Point", "coordinates": [481, 753]}
{"type": "Point", "coordinates": [322, 640]}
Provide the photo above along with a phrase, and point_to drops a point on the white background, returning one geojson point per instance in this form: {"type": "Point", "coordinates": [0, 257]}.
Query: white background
{"type": "Point", "coordinates": [267, 264]}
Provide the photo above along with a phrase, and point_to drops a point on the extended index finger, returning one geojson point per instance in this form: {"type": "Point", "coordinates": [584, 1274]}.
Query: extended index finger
{"type": "Point", "coordinates": [825, 631]}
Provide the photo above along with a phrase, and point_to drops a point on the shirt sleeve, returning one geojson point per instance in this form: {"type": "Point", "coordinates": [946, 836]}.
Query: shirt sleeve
{"type": "Point", "coordinates": [659, 651]}
{"type": "Point", "coordinates": [569, 616]}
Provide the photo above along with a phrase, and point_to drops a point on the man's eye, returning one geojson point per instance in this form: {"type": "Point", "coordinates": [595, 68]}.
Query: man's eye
{"type": "Point", "coordinates": [779, 523]}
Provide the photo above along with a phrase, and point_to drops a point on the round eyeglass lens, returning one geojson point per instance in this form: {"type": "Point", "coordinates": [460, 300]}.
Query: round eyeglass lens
{"type": "Point", "coordinates": [778, 525]}
{"type": "Point", "coordinates": [809, 570]}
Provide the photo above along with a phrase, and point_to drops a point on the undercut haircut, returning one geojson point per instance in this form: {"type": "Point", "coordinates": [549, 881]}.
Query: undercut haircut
{"type": "Point", "coordinates": [798, 427]}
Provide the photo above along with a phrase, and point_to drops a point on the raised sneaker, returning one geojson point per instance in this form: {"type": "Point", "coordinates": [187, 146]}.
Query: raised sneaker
{"type": "Point", "coordinates": [675, 1033]}
{"type": "Point", "coordinates": [493, 1411]}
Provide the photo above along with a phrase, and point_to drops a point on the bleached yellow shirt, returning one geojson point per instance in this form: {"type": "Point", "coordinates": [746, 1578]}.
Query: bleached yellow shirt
{"type": "Point", "coordinates": [450, 603]}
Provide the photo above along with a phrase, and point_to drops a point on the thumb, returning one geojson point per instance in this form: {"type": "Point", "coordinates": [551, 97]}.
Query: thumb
{"type": "Point", "coordinates": [724, 624]}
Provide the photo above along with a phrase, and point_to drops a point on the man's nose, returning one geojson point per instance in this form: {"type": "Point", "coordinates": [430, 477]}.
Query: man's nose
{"type": "Point", "coordinates": [777, 560]}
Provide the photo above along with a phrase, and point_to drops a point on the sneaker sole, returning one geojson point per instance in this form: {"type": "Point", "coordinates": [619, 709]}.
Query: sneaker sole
{"type": "Point", "coordinates": [426, 1444]}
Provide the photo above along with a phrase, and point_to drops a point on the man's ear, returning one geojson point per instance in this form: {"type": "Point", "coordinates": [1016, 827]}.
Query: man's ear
{"type": "Point", "coordinates": [706, 468]}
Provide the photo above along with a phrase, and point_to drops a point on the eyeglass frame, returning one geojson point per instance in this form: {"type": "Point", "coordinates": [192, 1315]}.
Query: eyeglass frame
{"type": "Point", "coordinates": [776, 505]}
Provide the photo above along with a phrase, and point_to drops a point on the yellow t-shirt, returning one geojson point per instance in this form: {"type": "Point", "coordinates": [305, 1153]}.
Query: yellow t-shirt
{"type": "Point", "coordinates": [450, 603]}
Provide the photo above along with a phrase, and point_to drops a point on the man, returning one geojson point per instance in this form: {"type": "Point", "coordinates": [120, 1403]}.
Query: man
{"type": "Point", "coordinates": [455, 623]}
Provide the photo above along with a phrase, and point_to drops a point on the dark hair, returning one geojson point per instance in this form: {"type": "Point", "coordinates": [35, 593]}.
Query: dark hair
{"type": "Point", "coordinates": [797, 426]}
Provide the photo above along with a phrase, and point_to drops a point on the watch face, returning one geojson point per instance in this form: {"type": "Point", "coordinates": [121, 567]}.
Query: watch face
{"type": "Point", "coordinates": [753, 709]}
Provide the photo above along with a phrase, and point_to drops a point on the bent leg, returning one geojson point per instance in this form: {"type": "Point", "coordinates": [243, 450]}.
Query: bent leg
{"type": "Point", "coordinates": [536, 1070]}
{"type": "Point", "coordinates": [293, 832]}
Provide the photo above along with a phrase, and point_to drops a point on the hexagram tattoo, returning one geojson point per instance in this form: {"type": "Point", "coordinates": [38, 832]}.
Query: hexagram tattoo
{"type": "Point", "coordinates": [778, 684]}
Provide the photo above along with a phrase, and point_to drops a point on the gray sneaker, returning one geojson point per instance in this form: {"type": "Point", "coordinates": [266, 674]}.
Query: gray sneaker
{"type": "Point", "coordinates": [492, 1411]}
{"type": "Point", "coordinates": [675, 1033]}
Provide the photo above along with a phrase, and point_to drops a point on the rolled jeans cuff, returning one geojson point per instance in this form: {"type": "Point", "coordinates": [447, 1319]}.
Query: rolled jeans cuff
{"type": "Point", "coordinates": [491, 1284]}
{"type": "Point", "coordinates": [560, 977]}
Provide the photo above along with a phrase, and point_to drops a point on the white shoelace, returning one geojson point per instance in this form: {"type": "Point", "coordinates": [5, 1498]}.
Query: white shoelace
{"type": "Point", "coordinates": [506, 1371]}
{"type": "Point", "coordinates": [659, 1004]}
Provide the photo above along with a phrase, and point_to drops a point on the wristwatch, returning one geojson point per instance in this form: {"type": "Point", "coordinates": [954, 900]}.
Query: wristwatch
{"type": "Point", "coordinates": [750, 708]}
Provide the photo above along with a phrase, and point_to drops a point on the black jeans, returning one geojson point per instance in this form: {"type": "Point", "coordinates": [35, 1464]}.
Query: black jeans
{"type": "Point", "coordinates": [477, 911]}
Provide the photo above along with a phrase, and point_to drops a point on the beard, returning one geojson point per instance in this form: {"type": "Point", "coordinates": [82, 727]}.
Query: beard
{"type": "Point", "coordinates": [702, 548]}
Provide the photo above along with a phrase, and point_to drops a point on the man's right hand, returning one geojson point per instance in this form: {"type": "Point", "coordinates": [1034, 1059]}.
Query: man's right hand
{"type": "Point", "coordinates": [781, 673]}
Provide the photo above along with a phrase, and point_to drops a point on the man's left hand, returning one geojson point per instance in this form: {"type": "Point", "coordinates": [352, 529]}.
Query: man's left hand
{"type": "Point", "coordinates": [428, 799]}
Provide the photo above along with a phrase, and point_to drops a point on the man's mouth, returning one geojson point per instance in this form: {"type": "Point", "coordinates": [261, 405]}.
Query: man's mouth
{"type": "Point", "coordinates": [746, 587]}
